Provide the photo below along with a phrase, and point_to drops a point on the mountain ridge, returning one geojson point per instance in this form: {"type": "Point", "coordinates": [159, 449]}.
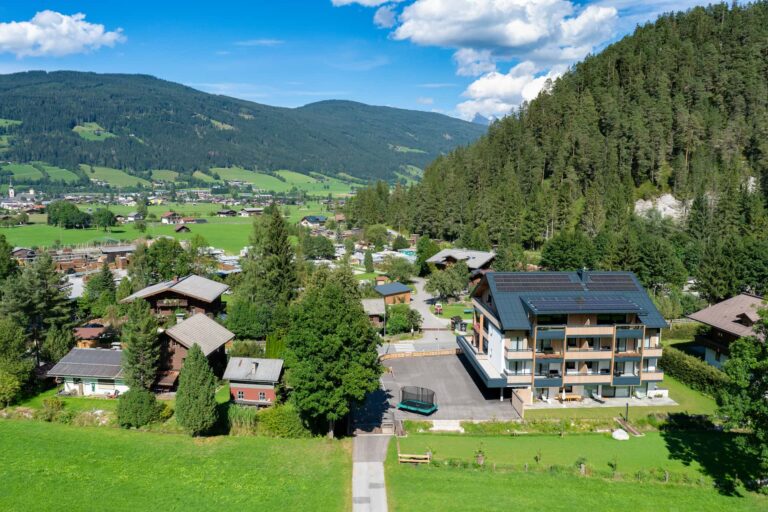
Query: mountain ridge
{"type": "Point", "coordinates": [137, 122]}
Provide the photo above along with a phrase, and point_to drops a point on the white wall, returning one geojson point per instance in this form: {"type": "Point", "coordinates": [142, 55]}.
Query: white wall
{"type": "Point", "coordinates": [495, 348]}
{"type": "Point", "coordinates": [91, 387]}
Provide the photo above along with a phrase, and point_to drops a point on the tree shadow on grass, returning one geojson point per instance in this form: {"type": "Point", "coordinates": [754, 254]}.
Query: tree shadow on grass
{"type": "Point", "coordinates": [692, 439]}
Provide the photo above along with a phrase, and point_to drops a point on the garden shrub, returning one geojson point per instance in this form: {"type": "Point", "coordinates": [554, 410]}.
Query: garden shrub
{"type": "Point", "coordinates": [52, 407]}
{"type": "Point", "coordinates": [692, 372]}
{"type": "Point", "coordinates": [282, 421]}
{"type": "Point", "coordinates": [137, 407]}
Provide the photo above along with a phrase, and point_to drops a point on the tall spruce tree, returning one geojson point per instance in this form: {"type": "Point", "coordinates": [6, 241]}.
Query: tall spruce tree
{"type": "Point", "coordinates": [141, 355]}
{"type": "Point", "coordinates": [100, 291]}
{"type": "Point", "coordinates": [196, 395]}
{"type": "Point", "coordinates": [331, 349]}
{"type": "Point", "coordinates": [38, 300]}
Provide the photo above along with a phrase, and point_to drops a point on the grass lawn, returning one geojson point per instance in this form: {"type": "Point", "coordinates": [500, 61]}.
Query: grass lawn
{"type": "Point", "coordinates": [57, 467]}
{"type": "Point", "coordinates": [687, 399]}
{"type": "Point", "coordinates": [74, 403]}
{"type": "Point", "coordinates": [93, 132]}
{"type": "Point", "coordinates": [445, 489]}
{"type": "Point", "coordinates": [203, 177]}
{"type": "Point", "coordinates": [456, 309]}
{"type": "Point", "coordinates": [114, 177]}
{"type": "Point", "coordinates": [312, 184]}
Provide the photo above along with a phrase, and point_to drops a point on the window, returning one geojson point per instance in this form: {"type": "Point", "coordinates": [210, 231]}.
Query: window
{"type": "Point", "coordinates": [516, 344]}
{"type": "Point", "coordinates": [570, 367]}
{"type": "Point", "coordinates": [568, 389]}
{"type": "Point", "coordinates": [552, 319]}
{"type": "Point", "coordinates": [240, 395]}
{"type": "Point", "coordinates": [518, 368]}
{"type": "Point", "coordinates": [573, 343]}
{"type": "Point", "coordinates": [262, 396]}
{"type": "Point", "coordinates": [610, 319]}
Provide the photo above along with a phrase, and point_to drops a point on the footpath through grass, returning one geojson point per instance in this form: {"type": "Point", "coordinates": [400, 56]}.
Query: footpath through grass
{"type": "Point", "coordinates": [46, 466]}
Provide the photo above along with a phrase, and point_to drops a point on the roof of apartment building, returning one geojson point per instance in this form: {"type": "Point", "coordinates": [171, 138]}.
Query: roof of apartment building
{"type": "Point", "coordinates": [89, 362]}
{"type": "Point", "coordinates": [200, 330]}
{"type": "Point", "coordinates": [736, 315]}
{"type": "Point", "coordinates": [473, 259]}
{"type": "Point", "coordinates": [519, 295]}
{"type": "Point", "coordinates": [251, 369]}
{"type": "Point", "coordinates": [194, 286]}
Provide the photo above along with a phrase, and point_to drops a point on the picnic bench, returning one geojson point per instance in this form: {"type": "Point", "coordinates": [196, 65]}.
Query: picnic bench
{"type": "Point", "coordinates": [571, 398]}
{"type": "Point", "coordinates": [411, 458]}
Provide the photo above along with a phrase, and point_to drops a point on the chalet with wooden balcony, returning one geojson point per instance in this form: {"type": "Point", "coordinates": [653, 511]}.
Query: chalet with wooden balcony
{"type": "Point", "coordinates": [565, 334]}
{"type": "Point", "coordinates": [186, 296]}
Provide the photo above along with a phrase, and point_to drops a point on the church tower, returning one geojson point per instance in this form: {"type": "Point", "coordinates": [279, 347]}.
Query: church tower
{"type": "Point", "coordinates": [11, 192]}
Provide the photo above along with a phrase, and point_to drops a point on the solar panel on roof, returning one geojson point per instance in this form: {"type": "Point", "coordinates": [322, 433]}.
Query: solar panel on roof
{"type": "Point", "coordinates": [611, 283]}
{"type": "Point", "coordinates": [590, 304]}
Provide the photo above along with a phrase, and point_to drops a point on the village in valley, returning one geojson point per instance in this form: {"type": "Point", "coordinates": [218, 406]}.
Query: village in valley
{"type": "Point", "coordinates": [553, 300]}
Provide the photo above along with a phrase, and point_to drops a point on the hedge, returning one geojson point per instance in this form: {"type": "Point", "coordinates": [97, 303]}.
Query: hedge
{"type": "Point", "coordinates": [692, 372]}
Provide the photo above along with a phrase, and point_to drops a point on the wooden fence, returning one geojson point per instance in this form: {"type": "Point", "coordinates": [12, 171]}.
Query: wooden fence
{"type": "Point", "coordinates": [428, 353]}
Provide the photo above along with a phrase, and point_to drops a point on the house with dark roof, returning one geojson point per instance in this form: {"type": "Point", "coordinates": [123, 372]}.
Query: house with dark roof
{"type": "Point", "coordinates": [478, 262]}
{"type": "Point", "coordinates": [252, 380]}
{"type": "Point", "coordinates": [191, 294]}
{"type": "Point", "coordinates": [566, 335]}
{"type": "Point", "coordinates": [728, 321]}
{"type": "Point", "coordinates": [376, 311]}
{"type": "Point", "coordinates": [394, 293]}
{"type": "Point", "coordinates": [176, 342]}
{"type": "Point", "coordinates": [182, 229]}
{"type": "Point", "coordinates": [170, 218]}
{"type": "Point", "coordinates": [313, 221]}
{"type": "Point", "coordinates": [91, 371]}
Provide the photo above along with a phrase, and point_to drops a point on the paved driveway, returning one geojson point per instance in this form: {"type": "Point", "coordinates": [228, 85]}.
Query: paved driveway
{"type": "Point", "coordinates": [458, 395]}
{"type": "Point", "coordinates": [421, 302]}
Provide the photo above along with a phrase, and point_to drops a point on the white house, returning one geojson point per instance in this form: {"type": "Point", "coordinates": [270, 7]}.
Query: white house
{"type": "Point", "coordinates": [91, 371]}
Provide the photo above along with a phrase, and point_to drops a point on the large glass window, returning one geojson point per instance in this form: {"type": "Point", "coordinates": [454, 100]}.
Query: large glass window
{"type": "Point", "coordinates": [519, 367]}
{"type": "Point", "coordinates": [610, 319]}
{"type": "Point", "coordinates": [552, 319]}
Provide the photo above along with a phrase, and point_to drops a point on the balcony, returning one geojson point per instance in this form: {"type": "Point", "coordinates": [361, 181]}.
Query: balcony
{"type": "Point", "coordinates": [629, 331]}
{"type": "Point", "coordinates": [520, 353]}
{"type": "Point", "coordinates": [550, 380]}
{"type": "Point", "coordinates": [652, 351]}
{"type": "Point", "coordinates": [627, 355]}
{"type": "Point", "coordinates": [587, 378]}
{"type": "Point", "coordinates": [651, 376]}
{"type": "Point", "coordinates": [550, 332]}
{"type": "Point", "coordinates": [518, 378]}
{"type": "Point", "coordinates": [589, 331]}
{"type": "Point", "coordinates": [626, 379]}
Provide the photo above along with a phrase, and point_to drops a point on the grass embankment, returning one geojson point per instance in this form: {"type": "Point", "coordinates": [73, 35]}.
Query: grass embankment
{"type": "Point", "coordinates": [57, 467]}
{"type": "Point", "coordinates": [688, 400]}
{"type": "Point", "coordinates": [455, 309]}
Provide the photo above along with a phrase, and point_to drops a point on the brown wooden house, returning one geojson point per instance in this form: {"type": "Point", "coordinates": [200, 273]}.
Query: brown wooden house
{"type": "Point", "coordinates": [176, 342]}
{"type": "Point", "coordinates": [192, 294]}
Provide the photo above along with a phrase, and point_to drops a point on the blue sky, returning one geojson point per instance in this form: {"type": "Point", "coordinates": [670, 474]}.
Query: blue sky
{"type": "Point", "coordinates": [459, 57]}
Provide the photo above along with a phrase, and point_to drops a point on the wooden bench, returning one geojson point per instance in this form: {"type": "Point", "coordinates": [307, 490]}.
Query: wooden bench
{"type": "Point", "coordinates": [571, 398]}
{"type": "Point", "coordinates": [409, 458]}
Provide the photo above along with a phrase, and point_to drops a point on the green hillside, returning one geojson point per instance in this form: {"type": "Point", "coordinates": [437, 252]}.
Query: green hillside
{"type": "Point", "coordinates": [137, 123]}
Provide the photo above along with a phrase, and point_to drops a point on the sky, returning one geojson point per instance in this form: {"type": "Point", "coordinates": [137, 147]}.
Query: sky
{"type": "Point", "coordinates": [457, 57]}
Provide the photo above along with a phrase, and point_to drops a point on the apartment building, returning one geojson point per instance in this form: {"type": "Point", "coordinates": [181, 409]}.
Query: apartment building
{"type": "Point", "coordinates": [566, 335]}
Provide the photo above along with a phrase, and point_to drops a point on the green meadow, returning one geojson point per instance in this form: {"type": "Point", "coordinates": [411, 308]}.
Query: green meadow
{"type": "Point", "coordinates": [92, 132]}
{"type": "Point", "coordinates": [52, 467]}
{"type": "Point", "coordinates": [114, 177]}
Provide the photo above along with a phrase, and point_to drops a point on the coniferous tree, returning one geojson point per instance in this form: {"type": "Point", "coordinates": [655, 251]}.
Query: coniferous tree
{"type": "Point", "coordinates": [58, 342]}
{"type": "Point", "coordinates": [141, 353]}
{"type": "Point", "coordinates": [100, 291]}
{"type": "Point", "coordinates": [196, 396]}
{"type": "Point", "coordinates": [331, 349]}
{"type": "Point", "coordinates": [38, 300]}
{"type": "Point", "coordinates": [368, 261]}
{"type": "Point", "coordinates": [8, 265]}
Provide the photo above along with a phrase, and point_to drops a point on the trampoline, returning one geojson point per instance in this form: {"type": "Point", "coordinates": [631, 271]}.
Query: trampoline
{"type": "Point", "coordinates": [418, 400]}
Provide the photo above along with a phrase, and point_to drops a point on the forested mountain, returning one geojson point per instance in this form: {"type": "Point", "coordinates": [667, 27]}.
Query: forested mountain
{"type": "Point", "coordinates": [137, 123]}
{"type": "Point", "coordinates": [680, 106]}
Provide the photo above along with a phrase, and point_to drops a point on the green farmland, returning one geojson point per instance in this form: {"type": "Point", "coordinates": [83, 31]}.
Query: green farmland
{"type": "Point", "coordinates": [114, 177]}
{"type": "Point", "coordinates": [51, 467]}
{"type": "Point", "coordinates": [25, 172]}
{"type": "Point", "coordinates": [164, 175]}
{"type": "Point", "coordinates": [315, 184]}
{"type": "Point", "coordinates": [36, 171]}
{"type": "Point", "coordinates": [6, 123]}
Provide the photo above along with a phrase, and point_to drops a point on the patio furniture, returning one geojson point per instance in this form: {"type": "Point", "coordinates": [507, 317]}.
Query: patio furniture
{"type": "Point", "coordinates": [597, 398]}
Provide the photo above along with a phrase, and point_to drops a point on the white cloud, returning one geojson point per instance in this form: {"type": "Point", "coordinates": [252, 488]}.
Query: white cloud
{"type": "Point", "coordinates": [51, 33]}
{"type": "Point", "coordinates": [385, 16]}
{"type": "Point", "coordinates": [471, 62]}
{"type": "Point", "coordinates": [496, 94]}
{"type": "Point", "coordinates": [425, 101]}
{"type": "Point", "coordinates": [260, 42]}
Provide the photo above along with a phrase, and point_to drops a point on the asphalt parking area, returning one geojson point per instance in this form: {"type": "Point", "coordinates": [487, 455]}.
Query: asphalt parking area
{"type": "Point", "coordinates": [458, 395]}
